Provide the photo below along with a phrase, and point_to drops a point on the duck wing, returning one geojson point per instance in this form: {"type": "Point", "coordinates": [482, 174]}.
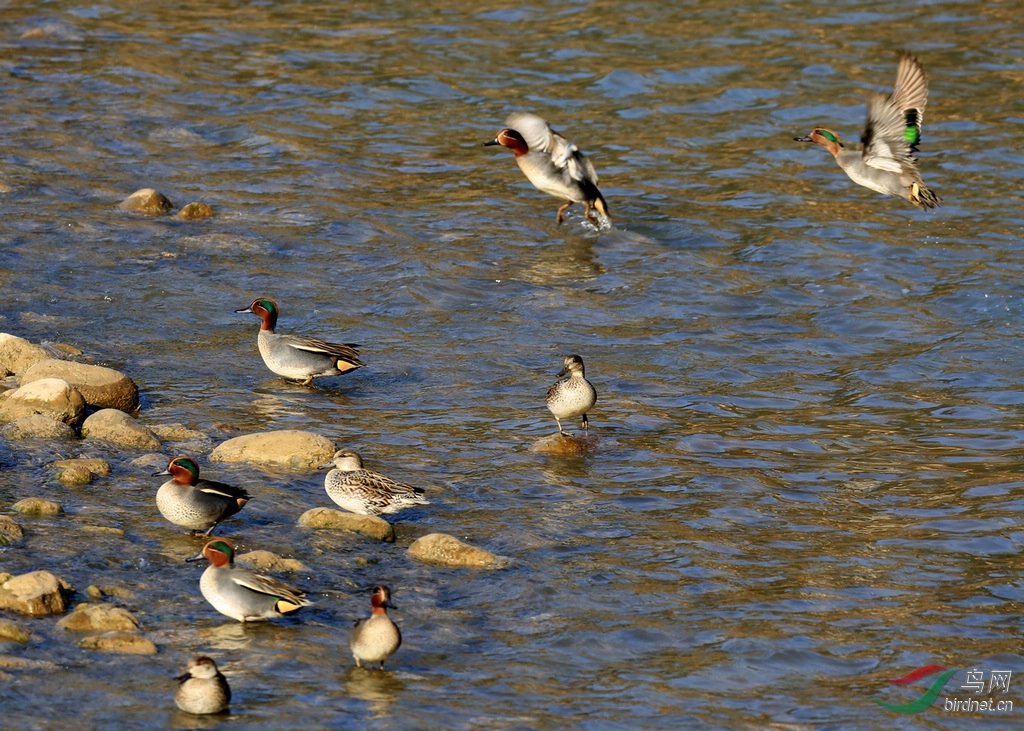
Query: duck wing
{"type": "Point", "coordinates": [565, 156]}
{"type": "Point", "coordinates": [271, 587]}
{"type": "Point", "coordinates": [219, 488]}
{"type": "Point", "coordinates": [344, 351]}
{"type": "Point", "coordinates": [893, 129]}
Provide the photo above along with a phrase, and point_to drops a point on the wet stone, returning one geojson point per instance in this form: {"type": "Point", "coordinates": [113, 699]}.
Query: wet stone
{"type": "Point", "coordinates": [565, 445]}
{"type": "Point", "coordinates": [441, 549]}
{"type": "Point", "coordinates": [193, 211]}
{"type": "Point", "coordinates": [13, 632]}
{"type": "Point", "coordinates": [122, 642]}
{"type": "Point", "coordinates": [116, 427]}
{"type": "Point", "coordinates": [369, 526]}
{"type": "Point", "coordinates": [37, 594]}
{"type": "Point", "coordinates": [147, 201]}
{"type": "Point", "coordinates": [51, 397]}
{"type": "Point", "coordinates": [267, 561]}
{"type": "Point", "coordinates": [10, 531]}
{"type": "Point", "coordinates": [80, 471]}
{"type": "Point", "coordinates": [37, 426]}
{"type": "Point", "coordinates": [17, 355]}
{"type": "Point", "coordinates": [102, 388]}
{"type": "Point", "coordinates": [287, 449]}
{"type": "Point", "coordinates": [99, 618]}
{"type": "Point", "coordinates": [37, 506]}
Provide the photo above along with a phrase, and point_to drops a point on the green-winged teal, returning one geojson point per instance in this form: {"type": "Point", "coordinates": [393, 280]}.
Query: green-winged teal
{"type": "Point", "coordinates": [376, 638]}
{"type": "Point", "coordinates": [553, 164]}
{"type": "Point", "coordinates": [574, 396]}
{"type": "Point", "coordinates": [297, 357]}
{"type": "Point", "coordinates": [241, 594]}
{"type": "Point", "coordinates": [886, 164]}
{"type": "Point", "coordinates": [196, 504]}
{"type": "Point", "coordinates": [203, 688]}
{"type": "Point", "coordinates": [364, 491]}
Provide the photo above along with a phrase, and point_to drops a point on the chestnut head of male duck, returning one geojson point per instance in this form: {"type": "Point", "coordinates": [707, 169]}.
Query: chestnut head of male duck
{"type": "Point", "coordinates": [553, 164]}
{"type": "Point", "coordinates": [887, 164]}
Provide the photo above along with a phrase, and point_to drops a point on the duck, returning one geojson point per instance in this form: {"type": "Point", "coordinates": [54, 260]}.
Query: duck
{"type": "Point", "coordinates": [553, 164]}
{"type": "Point", "coordinates": [363, 491]}
{"type": "Point", "coordinates": [203, 688]}
{"type": "Point", "coordinates": [573, 396]}
{"type": "Point", "coordinates": [886, 164]}
{"type": "Point", "coordinates": [298, 357]}
{"type": "Point", "coordinates": [241, 594]}
{"type": "Point", "coordinates": [376, 638]}
{"type": "Point", "coordinates": [196, 504]}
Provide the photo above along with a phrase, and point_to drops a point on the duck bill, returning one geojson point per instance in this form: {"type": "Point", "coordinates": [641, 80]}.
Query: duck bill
{"type": "Point", "coordinates": [247, 310]}
{"type": "Point", "coordinates": [161, 474]}
{"type": "Point", "coordinates": [561, 373]}
{"type": "Point", "coordinates": [802, 139]}
{"type": "Point", "coordinates": [198, 557]}
{"type": "Point", "coordinates": [492, 142]}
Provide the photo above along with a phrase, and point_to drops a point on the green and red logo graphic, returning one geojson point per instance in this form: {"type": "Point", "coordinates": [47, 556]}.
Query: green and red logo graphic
{"type": "Point", "coordinates": [929, 695]}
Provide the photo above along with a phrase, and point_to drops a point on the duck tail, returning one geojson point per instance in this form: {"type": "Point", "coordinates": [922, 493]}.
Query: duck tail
{"type": "Point", "coordinates": [923, 197]}
{"type": "Point", "coordinates": [601, 205]}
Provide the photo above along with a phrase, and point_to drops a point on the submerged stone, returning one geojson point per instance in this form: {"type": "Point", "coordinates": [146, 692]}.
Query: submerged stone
{"type": "Point", "coordinates": [441, 549]}
{"type": "Point", "coordinates": [369, 526]}
{"type": "Point", "coordinates": [147, 201]}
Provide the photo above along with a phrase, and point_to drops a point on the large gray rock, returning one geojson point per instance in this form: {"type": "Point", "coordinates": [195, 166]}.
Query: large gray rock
{"type": "Point", "coordinates": [441, 549]}
{"type": "Point", "coordinates": [102, 388]}
{"type": "Point", "coordinates": [116, 427]}
{"type": "Point", "coordinates": [37, 426]}
{"type": "Point", "coordinates": [49, 396]}
{"type": "Point", "coordinates": [37, 594]}
{"type": "Point", "coordinates": [18, 354]}
{"type": "Point", "coordinates": [287, 449]}
{"type": "Point", "coordinates": [99, 618]}
{"type": "Point", "coordinates": [369, 526]}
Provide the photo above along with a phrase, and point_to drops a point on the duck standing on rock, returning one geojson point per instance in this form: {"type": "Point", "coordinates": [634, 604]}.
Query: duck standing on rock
{"type": "Point", "coordinates": [363, 491]}
{"type": "Point", "coordinates": [295, 356]}
{"type": "Point", "coordinates": [573, 396]}
{"type": "Point", "coordinates": [553, 164]}
{"type": "Point", "coordinates": [887, 164]}
{"type": "Point", "coordinates": [196, 504]}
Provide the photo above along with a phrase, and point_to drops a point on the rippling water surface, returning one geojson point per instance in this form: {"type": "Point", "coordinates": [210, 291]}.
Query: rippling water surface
{"type": "Point", "coordinates": [810, 405]}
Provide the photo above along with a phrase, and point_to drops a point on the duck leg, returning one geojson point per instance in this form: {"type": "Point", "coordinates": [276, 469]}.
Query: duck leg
{"type": "Point", "coordinates": [562, 210]}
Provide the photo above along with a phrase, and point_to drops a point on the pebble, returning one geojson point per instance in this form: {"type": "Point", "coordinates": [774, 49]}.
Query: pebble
{"type": "Point", "coordinates": [37, 506]}
{"type": "Point", "coordinates": [147, 201]}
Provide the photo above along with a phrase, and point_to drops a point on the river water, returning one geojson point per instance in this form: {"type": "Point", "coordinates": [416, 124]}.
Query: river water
{"type": "Point", "coordinates": [810, 409]}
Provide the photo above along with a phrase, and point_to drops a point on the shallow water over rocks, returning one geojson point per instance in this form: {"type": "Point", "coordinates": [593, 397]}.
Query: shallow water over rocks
{"type": "Point", "coordinates": [809, 395]}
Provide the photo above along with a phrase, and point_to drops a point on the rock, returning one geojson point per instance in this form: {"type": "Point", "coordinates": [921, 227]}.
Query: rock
{"type": "Point", "coordinates": [287, 449]}
{"type": "Point", "coordinates": [37, 506]}
{"type": "Point", "coordinates": [99, 618]}
{"type": "Point", "coordinates": [267, 561]}
{"type": "Point", "coordinates": [48, 396]}
{"type": "Point", "coordinates": [365, 525]}
{"type": "Point", "coordinates": [123, 642]}
{"type": "Point", "coordinates": [37, 593]}
{"type": "Point", "coordinates": [98, 592]}
{"type": "Point", "coordinates": [13, 632]}
{"type": "Point", "coordinates": [565, 445]}
{"type": "Point", "coordinates": [195, 210]}
{"type": "Point", "coordinates": [18, 354]}
{"type": "Point", "coordinates": [102, 529]}
{"type": "Point", "coordinates": [37, 426]}
{"type": "Point", "coordinates": [80, 471]}
{"type": "Point", "coordinates": [10, 531]}
{"type": "Point", "coordinates": [115, 426]}
{"type": "Point", "coordinates": [444, 550]}
{"type": "Point", "coordinates": [102, 388]}
{"type": "Point", "coordinates": [147, 201]}
{"type": "Point", "coordinates": [177, 433]}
